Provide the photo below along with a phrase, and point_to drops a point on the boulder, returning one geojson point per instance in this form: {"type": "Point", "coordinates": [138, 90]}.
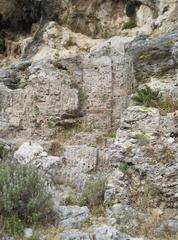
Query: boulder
{"type": "Point", "coordinates": [71, 216]}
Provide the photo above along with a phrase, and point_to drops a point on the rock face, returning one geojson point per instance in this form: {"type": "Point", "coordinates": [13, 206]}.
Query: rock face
{"type": "Point", "coordinates": [60, 92]}
{"type": "Point", "coordinates": [68, 74]}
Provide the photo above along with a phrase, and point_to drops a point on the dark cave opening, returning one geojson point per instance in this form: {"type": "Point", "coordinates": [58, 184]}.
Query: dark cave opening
{"type": "Point", "coordinates": [131, 8]}
{"type": "Point", "coordinates": [19, 21]}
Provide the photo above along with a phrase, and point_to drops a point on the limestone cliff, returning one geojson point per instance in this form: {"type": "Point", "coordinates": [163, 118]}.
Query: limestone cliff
{"type": "Point", "coordinates": [69, 73]}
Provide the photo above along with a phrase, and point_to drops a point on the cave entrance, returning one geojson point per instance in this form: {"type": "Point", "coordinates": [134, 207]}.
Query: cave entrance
{"type": "Point", "coordinates": [18, 21]}
{"type": "Point", "coordinates": [131, 8]}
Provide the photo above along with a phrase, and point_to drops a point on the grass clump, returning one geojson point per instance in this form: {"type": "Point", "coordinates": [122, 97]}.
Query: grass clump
{"type": "Point", "coordinates": [23, 197]}
{"type": "Point", "coordinates": [93, 194]}
{"type": "Point", "coordinates": [23, 84]}
{"type": "Point", "coordinates": [104, 98]}
{"type": "Point", "coordinates": [150, 98]}
{"type": "Point", "coordinates": [123, 167]}
{"type": "Point", "coordinates": [146, 97]}
{"type": "Point", "coordinates": [3, 151]}
{"type": "Point", "coordinates": [70, 200]}
{"type": "Point", "coordinates": [129, 25]}
{"type": "Point", "coordinates": [142, 139]}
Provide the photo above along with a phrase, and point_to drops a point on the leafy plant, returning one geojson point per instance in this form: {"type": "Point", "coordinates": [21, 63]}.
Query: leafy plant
{"type": "Point", "coordinates": [13, 225]}
{"type": "Point", "coordinates": [129, 25]}
{"type": "Point", "coordinates": [104, 98]}
{"type": "Point", "coordinates": [3, 151]}
{"type": "Point", "coordinates": [123, 167]}
{"type": "Point", "coordinates": [70, 200]}
{"type": "Point", "coordinates": [93, 194]}
{"type": "Point", "coordinates": [146, 97]}
{"type": "Point", "coordinates": [23, 84]}
{"type": "Point", "coordinates": [23, 196]}
{"type": "Point", "coordinates": [112, 133]}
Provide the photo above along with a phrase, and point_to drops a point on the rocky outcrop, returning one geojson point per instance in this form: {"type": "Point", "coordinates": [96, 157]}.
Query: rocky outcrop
{"type": "Point", "coordinates": [72, 217]}
{"type": "Point", "coordinates": [62, 91]}
{"type": "Point", "coordinates": [67, 82]}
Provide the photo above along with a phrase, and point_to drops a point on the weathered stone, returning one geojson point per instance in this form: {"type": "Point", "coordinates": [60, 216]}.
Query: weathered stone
{"type": "Point", "coordinates": [72, 217]}
{"type": "Point", "coordinates": [74, 235]}
{"type": "Point", "coordinates": [28, 152]}
{"type": "Point", "coordinates": [33, 154]}
{"type": "Point", "coordinates": [140, 118]}
{"type": "Point", "coordinates": [116, 187]}
{"type": "Point", "coordinates": [172, 225]}
{"type": "Point", "coordinates": [83, 157]}
{"type": "Point", "coordinates": [108, 233]}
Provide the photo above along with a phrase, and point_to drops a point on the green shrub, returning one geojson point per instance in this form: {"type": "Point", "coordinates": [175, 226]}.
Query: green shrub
{"type": "Point", "coordinates": [93, 194]}
{"type": "Point", "coordinates": [13, 225]}
{"type": "Point", "coordinates": [146, 97]}
{"type": "Point", "coordinates": [70, 200]}
{"type": "Point", "coordinates": [129, 25]}
{"type": "Point", "coordinates": [123, 167]}
{"type": "Point", "coordinates": [104, 98]}
{"type": "Point", "coordinates": [3, 151]}
{"type": "Point", "coordinates": [99, 211]}
{"type": "Point", "coordinates": [23, 84]}
{"type": "Point", "coordinates": [23, 196]}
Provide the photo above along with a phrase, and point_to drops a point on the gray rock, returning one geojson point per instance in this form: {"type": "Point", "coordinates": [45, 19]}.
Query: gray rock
{"type": "Point", "coordinates": [108, 233]}
{"type": "Point", "coordinates": [71, 216]}
{"type": "Point", "coordinates": [172, 225]}
{"type": "Point", "coordinates": [33, 154]}
{"type": "Point", "coordinates": [74, 235]}
{"type": "Point", "coordinates": [28, 232]}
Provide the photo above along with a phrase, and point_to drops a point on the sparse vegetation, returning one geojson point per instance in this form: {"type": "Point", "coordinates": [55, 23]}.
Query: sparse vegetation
{"type": "Point", "coordinates": [89, 222]}
{"type": "Point", "coordinates": [99, 211]}
{"type": "Point", "coordinates": [150, 98]}
{"type": "Point", "coordinates": [146, 56]}
{"type": "Point", "coordinates": [104, 98]}
{"type": "Point", "coordinates": [82, 96]}
{"type": "Point", "coordinates": [112, 133]}
{"type": "Point", "coordinates": [164, 155]}
{"type": "Point", "coordinates": [129, 25]}
{"type": "Point", "coordinates": [70, 200]}
{"type": "Point", "coordinates": [151, 195]}
{"type": "Point", "coordinates": [123, 167]}
{"type": "Point", "coordinates": [3, 151]}
{"type": "Point", "coordinates": [24, 199]}
{"type": "Point", "coordinates": [23, 84]}
{"type": "Point", "coordinates": [93, 194]}
{"type": "Point", "coordinates": [142, 139]}
{"type": "Point", "coordinates": [166, 105]}
{"type": "Point", "coordinates": [146, 97]}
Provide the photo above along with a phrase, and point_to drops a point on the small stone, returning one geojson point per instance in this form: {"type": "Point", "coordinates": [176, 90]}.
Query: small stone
{"type": "Point", "coordinates": [28, 233]}
{"type": "Point", "coordinates": [170, 140]}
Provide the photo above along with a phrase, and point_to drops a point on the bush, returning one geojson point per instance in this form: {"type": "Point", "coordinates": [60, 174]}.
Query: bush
{"type": "Point", "coordinates": [93, 195]}
{"type": "Point", "coordinates": [146, 97]}
{"type": "Point", "coordinates": [129, 25]}
{"type": "Point", "coordinates": [23, 195]}
{"type": "Point", "coordinates": [3, 151]}
{"type": "Point", "coordinates": [123, 167]}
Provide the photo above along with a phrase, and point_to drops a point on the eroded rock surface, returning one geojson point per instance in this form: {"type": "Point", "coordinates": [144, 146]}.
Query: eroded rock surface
{"type": "Point", "coordinates": [69, 71]}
